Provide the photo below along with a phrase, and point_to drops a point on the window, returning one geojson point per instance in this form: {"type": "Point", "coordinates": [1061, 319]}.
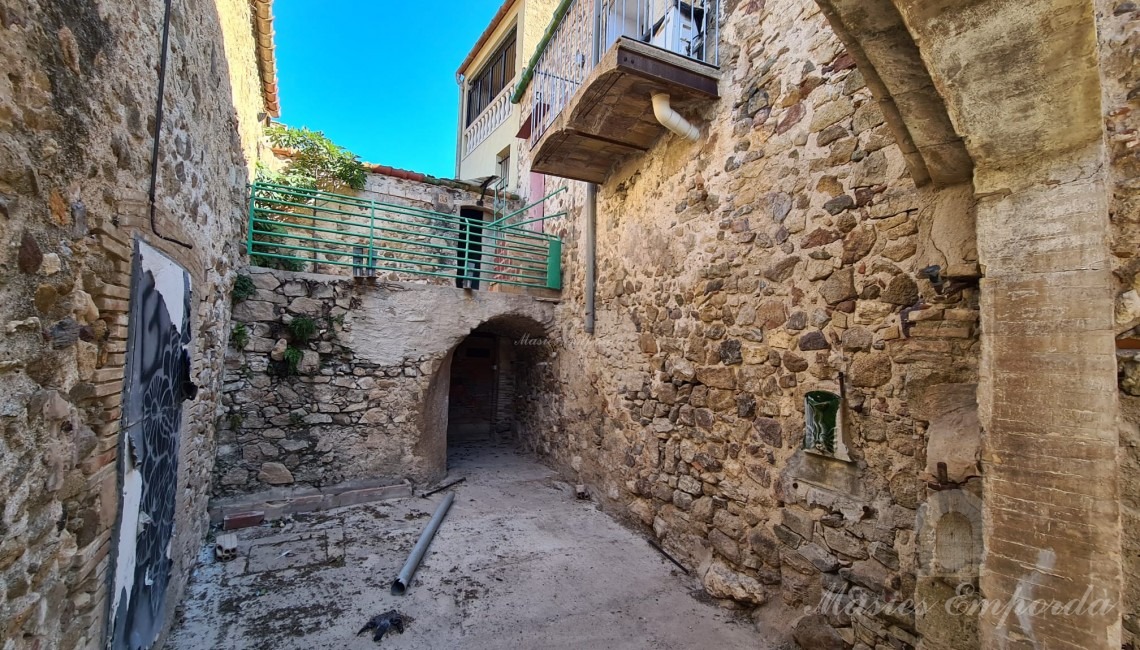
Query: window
{"type": "Point", "coordinates": [503, 165]}
{"type": "Point", "coordinates": [492, 79]}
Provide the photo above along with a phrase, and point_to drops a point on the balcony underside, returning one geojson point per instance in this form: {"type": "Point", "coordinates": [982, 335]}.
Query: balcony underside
{"type": "Point", "coordinates": [611, 114]}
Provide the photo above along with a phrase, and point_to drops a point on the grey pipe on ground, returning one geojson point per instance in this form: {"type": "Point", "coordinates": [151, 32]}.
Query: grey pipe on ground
{"type": "Point", "coordinates": [401, 584]}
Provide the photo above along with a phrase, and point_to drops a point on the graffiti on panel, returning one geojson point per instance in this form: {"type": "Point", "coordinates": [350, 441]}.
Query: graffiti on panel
{"type": "Point", "coordinates": [157, 382]}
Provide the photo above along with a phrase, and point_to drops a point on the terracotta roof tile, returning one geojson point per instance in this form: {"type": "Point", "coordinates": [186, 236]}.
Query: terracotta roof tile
{"type": "Point", "coordinates": [266, 61]}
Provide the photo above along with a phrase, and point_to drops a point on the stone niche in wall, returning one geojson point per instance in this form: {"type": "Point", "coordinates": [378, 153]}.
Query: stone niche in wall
{"type": "Point", "coordinates": [949, 536]}
{"type": "Point", "coordinates": [826, 432]}
{"type": "Point", "coordinates": [954, 437]}
{"type": "Point", "coordinates": [808, 476]}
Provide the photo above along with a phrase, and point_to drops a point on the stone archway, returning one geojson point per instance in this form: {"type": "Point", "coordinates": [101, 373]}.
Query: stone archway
{"type": "Point", "coordinates": [509, 331]}
{"type": "Point", "coordinates": [1007, 96]}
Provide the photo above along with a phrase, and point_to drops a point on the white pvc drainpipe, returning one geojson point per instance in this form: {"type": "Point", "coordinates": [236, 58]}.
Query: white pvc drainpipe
{"type": "Point", "coordinates": [671, 119]}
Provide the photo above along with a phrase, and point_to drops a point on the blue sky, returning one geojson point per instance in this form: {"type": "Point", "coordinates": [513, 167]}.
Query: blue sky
{"type": "Point", "coordinates": [378, 76]}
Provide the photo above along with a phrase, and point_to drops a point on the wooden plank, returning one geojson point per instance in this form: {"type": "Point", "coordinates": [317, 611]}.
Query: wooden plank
{"type": "Point", "coordinates": [664, 69]}
{"type": "Point", "coordinates": [578, 156]}
{"type": "Point", "coordinates": [672, 58]}
{"type": "Point", "coordinates": [623, 113]}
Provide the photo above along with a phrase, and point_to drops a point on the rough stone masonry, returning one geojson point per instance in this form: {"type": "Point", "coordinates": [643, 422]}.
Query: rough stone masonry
{"type": "Point", "coordinates": [77, 123]}
{"type": "Point", "coordinates": [989, 429]}
{"type": "Point", "coordinates": [786, 251]}
{"type": "Point", "coordinates": [368, 398]}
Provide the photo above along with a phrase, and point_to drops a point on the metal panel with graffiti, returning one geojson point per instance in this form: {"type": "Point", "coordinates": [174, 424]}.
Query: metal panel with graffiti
{"type": "Point", "coordinates": [157, 382]}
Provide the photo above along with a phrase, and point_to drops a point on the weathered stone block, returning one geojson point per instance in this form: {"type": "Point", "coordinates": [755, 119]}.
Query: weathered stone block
{"type": "Point", "coordinates": [765, 546]}
{"type": "Point", "coordinates": [839, 204]}
{"type": "Point", "coordinates": [814, 341]}
{"type": "Point", "coordinates": [275, 474]}
{"type": "Point", "coordinates": [902, 290]}
{"type": "Point", "coordinates": [769, 430]}
{"type": "Point", "coordinates": [724, 545]}
{"type": "Point", "coordinates": [844, 543]}
{"type": "Point", "coordinates": [869, 370]}
{"type": "Point", "coordinates": [819, 557]}
{"type": "Point", "coordinates": [839, 287]}
{"type": "Point", "coordinates": [254, 310]}
{"type": "Point", "coordinates": [717, 377]}
{"type": "Point", "coordinates": [814, 632]}
{"type": "Point", "coordinates": [722, 582]}
{"type": "Point", "coordinates": [782, 270]}
{"type": "Point", "coordinates": [306, 307]}
{"type": "Point", "coordinates": [794, 362]}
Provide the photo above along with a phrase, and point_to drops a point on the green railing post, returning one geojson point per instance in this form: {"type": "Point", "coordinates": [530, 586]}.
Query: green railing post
{"type": "Point", "coordinates": [371, 239]}
{"type": "Point", "coordinates": [249, 233]}
{"type": "Point", "coordinates": [554, 265]}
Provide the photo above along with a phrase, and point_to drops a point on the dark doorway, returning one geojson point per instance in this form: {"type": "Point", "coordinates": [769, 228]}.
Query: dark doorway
{"type": "Point", "coordinates": [492, 391]}
{"type": "Point", "coordinates": [474, 390]}
{"type": "Point", "coordinates": [469, 250]}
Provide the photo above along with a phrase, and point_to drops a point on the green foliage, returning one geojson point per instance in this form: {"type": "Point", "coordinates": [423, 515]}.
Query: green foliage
{"type": "Point", "coordinates": [235, 420]}
{"type": "Point", "coordinates": [244, 288]}
{"type": "Point", "coordinates": [317, 162]}
{"type": "Point", "coordinates": [293, 359]}
{"type": "Point", "coordinates": [302, 328]}
{"type": "Point", "coordinates": [268, 261]}
{"type": "Point", "coordinates": [239, 337]}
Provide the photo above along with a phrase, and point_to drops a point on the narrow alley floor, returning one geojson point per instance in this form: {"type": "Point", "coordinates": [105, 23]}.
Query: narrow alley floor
{"type": "Point", "coordinates": [517, 563]}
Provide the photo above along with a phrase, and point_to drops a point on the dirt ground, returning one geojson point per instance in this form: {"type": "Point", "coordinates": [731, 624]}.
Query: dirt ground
{"type": "Point", "coordinates": [517, 563]}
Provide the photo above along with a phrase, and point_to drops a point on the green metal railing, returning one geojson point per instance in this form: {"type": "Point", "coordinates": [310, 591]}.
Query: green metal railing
{"type": "Point", "coordinates": [301, 229]}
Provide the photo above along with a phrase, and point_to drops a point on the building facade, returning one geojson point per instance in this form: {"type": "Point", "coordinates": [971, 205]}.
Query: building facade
{"type": "Point", "coordinates": [486, 142]}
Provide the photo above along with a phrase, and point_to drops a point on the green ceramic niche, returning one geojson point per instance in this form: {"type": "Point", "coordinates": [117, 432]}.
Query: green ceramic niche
{"type": "Point", "coordinates": [821, 415]}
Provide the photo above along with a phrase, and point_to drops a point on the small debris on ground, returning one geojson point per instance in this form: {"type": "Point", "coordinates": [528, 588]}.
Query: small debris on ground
{"type": "Point", "coordinates": [380, 624]}
{"type": "Point", "coordinates": [225, 547]}
{"type": "Point", "coordinates": [441, 488]}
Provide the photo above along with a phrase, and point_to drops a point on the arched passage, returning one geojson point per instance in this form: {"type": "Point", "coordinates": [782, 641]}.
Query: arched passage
{"type": "Point", "coordinates": [475, 395]}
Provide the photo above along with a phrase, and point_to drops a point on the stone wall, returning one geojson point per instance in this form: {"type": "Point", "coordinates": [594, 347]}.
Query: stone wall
{"type": "Point", "coordinates": [737, 273]}
{"type": "Point", "coordinates": [369, 395]}
{"type": "Point", "coordinates": [1119, 30]}
{"type": "Point", "coordinates": [77, 106]}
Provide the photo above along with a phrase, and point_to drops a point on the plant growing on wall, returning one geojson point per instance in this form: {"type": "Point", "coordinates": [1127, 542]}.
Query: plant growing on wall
{"type": "Point", "coordinates": [314, 163]}
{"type": "Point", "coordinates": [293, 359]}
{"type": "Point", "coordinates": [239, 338]}
{"type": "Point", "coordinates": [244, 288]}
{"type": "Point", "coordinates": [302, 328]}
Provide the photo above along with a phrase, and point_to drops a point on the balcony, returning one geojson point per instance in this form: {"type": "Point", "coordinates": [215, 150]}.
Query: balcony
{"type": "Point", "coordinates": [300, 229]}
{"type": "Point", "coordinates": [489, 120]}
{"type": "Point", "coordinates": [584, 119]}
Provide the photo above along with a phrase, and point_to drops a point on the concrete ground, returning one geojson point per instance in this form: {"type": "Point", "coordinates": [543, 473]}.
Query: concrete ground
{"type": "Point", "coordinates": [518, 563]}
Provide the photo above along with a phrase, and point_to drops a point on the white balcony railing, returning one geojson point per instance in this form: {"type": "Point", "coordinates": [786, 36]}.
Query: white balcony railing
{"type": "Point", "coordinates": [490, 119]}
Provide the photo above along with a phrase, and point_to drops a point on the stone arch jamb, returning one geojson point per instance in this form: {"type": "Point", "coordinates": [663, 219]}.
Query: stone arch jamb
{"type": "Point", "coordinates": [1018, 83]}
